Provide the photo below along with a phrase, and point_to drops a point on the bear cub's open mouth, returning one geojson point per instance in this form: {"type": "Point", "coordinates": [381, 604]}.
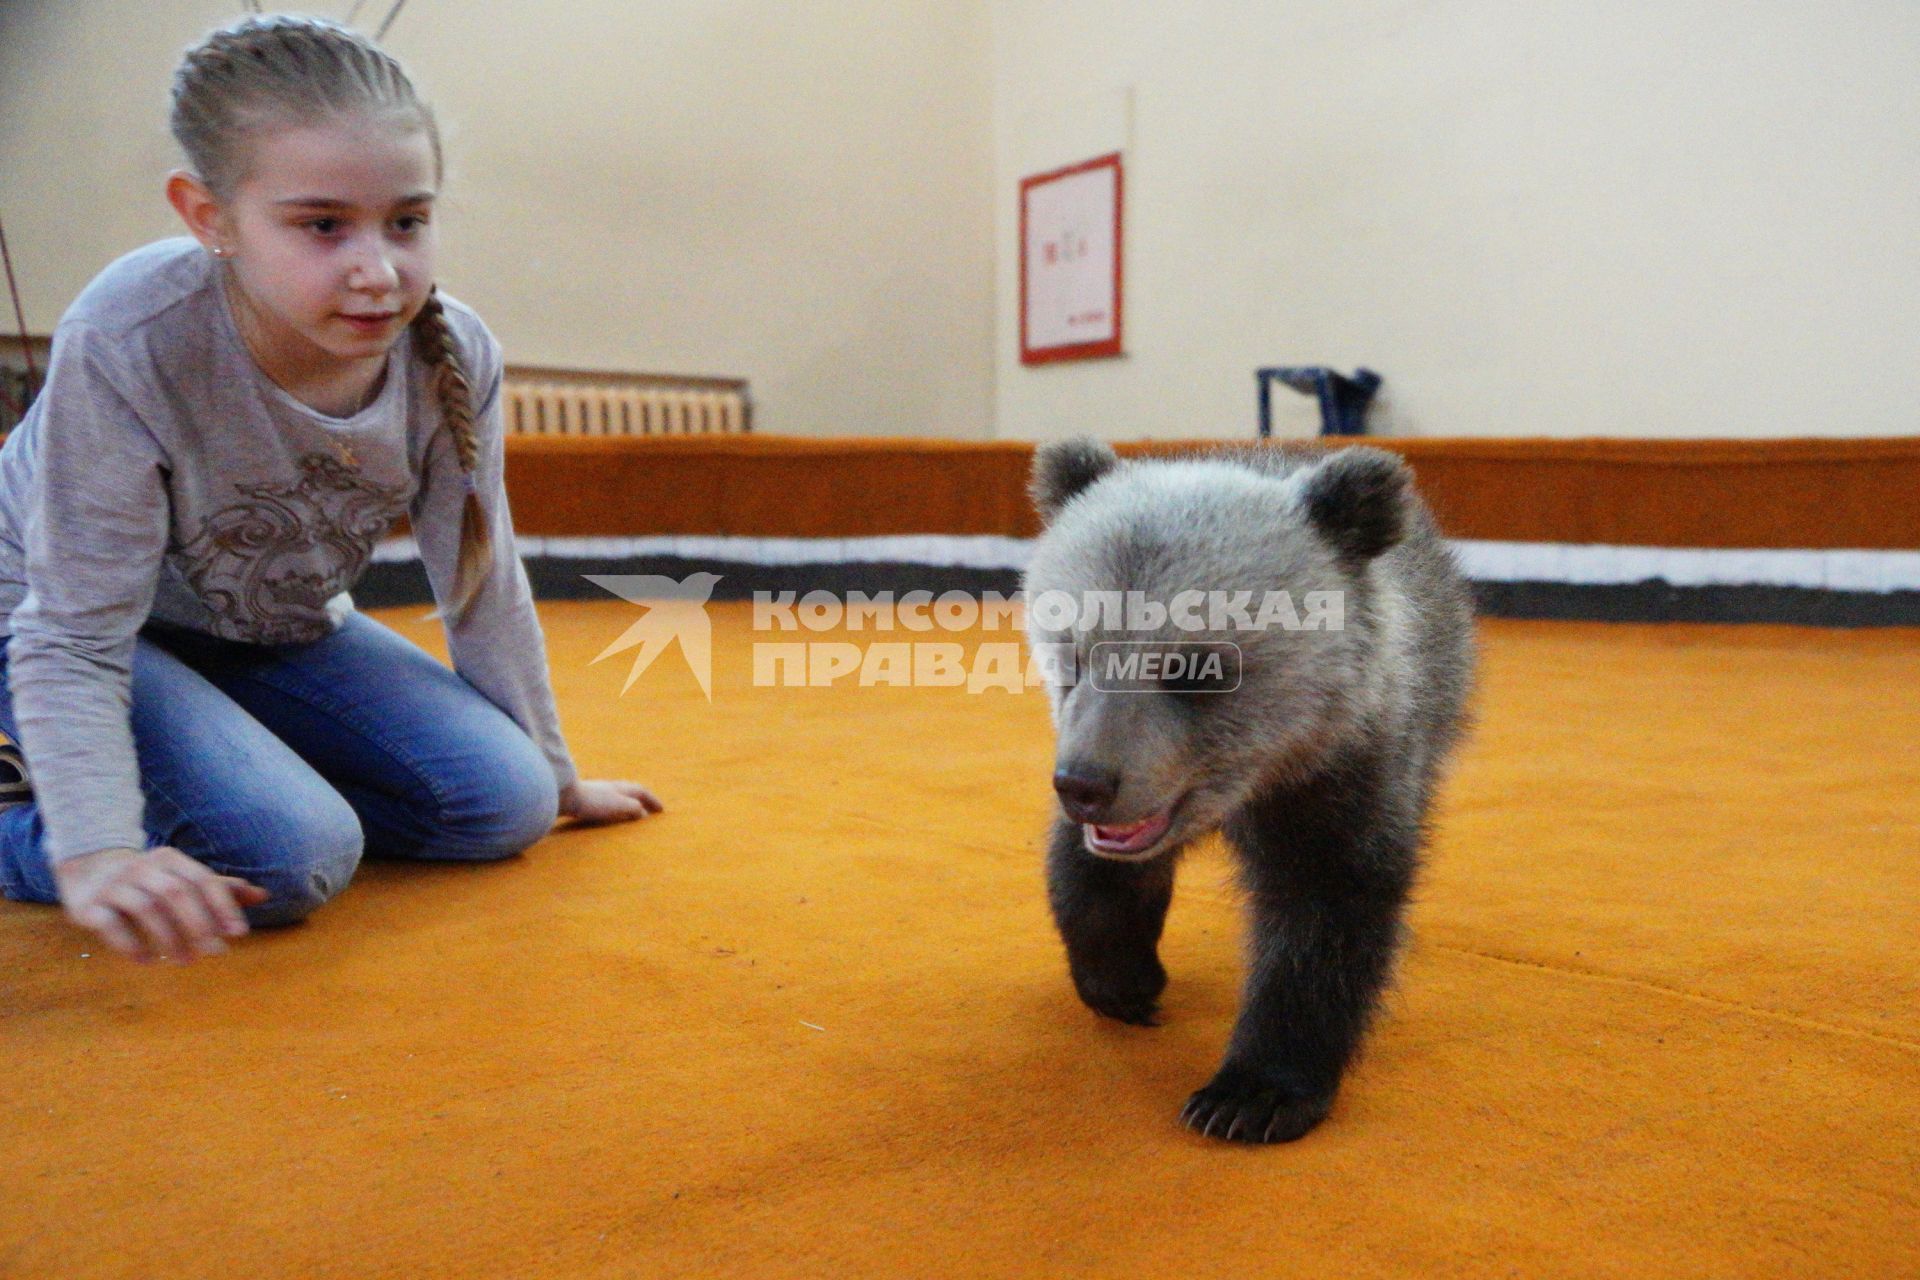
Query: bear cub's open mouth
{"type": "Point", "coordinates": [1128, 840]}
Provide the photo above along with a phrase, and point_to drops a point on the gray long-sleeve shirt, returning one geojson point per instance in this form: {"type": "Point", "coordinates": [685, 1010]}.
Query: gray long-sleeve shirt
{"type": "Point", "coordinates": [161, 475]}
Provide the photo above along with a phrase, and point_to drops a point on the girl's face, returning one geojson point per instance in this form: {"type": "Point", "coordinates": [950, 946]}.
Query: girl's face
{"type": "Point", "coordinates": [330, 239]}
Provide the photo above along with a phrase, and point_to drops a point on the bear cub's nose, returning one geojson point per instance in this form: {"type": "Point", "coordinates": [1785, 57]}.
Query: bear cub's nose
{"type": "Point", "coordinates": [1086, 793]}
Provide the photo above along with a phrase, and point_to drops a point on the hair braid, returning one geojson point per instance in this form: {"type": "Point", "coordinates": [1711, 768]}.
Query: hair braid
{"type": "Point", "coordinates": [433, 340]}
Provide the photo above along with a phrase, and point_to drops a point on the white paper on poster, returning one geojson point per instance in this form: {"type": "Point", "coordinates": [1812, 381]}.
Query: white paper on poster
{"type": "Point", "coordinates": [1070, 275]}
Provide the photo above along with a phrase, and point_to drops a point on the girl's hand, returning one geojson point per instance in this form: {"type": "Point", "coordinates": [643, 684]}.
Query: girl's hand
{"type": "Point", "coordinates": [155, 904]}
{"type": "Point", "coordinates": [593, 803]}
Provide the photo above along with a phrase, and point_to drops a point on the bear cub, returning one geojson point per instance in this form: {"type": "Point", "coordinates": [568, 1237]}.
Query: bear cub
{"type": "Point", "coordinates": [1287, 662]}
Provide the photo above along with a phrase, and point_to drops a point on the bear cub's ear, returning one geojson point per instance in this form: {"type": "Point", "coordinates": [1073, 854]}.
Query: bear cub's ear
{"type": "Point", "coordinates": [1065, 467]}
{"type": "Point", "coordinates": [1357, 499]}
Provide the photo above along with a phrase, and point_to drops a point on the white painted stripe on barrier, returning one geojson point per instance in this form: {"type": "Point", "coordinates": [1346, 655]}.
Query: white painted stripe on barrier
{"type": "Point", "coordinates": [957, 551]}
{"type": "Point", "coordinates": [1580, 564]}
{"type": "Point", "coordinates": [1571, 563]}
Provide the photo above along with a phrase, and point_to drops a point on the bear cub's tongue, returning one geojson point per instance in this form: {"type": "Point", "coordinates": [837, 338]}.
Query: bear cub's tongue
{"type": "Point", "coordinates": [1129, 838]}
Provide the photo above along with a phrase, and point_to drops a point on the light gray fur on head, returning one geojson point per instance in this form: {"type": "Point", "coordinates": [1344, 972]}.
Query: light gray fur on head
{"type": "Point", "coordinates": [1297, 521]}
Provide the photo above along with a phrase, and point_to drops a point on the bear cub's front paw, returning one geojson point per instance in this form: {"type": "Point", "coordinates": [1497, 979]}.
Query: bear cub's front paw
{"type": "Point", "coordinates": [1241, 1108]}
{"type": "Point", "coordinates": [1128, 990]}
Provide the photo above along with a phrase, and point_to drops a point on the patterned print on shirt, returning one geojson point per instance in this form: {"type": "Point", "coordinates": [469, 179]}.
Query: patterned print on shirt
{"type": "Point", "coordinates": [267, 566]}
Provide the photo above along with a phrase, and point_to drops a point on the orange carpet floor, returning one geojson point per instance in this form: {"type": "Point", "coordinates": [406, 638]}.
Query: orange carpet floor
{"type": "Point", "coordinates": [1661, 1017]}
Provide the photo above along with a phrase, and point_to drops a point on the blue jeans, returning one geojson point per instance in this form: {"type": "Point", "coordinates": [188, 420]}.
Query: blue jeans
{"type": "Point", "coordinates": [282, 764]}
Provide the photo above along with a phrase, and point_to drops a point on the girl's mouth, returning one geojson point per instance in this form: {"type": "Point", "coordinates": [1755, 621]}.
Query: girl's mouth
{"type": "Point", "coordinates": [369, 322]}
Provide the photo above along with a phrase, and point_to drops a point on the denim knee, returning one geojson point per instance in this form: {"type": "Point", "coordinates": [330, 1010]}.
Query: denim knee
{"type": "Point", "coordinates": [534, 807]}
{"type": "Point", "coordinates": [500, 813]}
{"type": "Point", "coordinates": [315, 853]}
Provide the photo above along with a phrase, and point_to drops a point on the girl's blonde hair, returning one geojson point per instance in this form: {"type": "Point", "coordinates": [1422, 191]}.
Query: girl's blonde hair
{"type": "Point", "coordinates": [277, 71]}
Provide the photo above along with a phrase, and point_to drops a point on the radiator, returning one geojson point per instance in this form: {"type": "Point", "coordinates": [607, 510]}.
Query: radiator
{"type": "Point", "coordinates": [577, 402]}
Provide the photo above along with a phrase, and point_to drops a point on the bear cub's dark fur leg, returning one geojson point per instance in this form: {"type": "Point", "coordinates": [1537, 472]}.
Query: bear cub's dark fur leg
{"type": "Point", "coordinates": [1328, 882]}
{"type": "Point", "coordinates": [1110, 915]}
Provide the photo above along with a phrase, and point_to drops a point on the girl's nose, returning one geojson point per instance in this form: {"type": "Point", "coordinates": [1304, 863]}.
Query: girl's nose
{"type": "Point", "coordinates": [372, 272]}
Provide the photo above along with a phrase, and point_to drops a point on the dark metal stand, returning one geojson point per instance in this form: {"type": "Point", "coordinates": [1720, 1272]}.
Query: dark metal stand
{"type": "Point", "coordinates": [1343, 400]}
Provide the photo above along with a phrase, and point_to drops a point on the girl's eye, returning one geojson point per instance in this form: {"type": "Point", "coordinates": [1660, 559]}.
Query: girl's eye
{"type": "Point", "coordinates": [323, 226]}
{"type": "Point", "coordinates": [408, 224]}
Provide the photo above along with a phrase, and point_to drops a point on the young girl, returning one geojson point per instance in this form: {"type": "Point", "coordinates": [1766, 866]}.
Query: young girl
{"type": "Point", "coordinates": [230, 424]}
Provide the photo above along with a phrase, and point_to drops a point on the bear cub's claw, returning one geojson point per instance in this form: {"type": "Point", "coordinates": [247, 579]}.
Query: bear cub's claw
{"type": "Point", "coordinates": [1243, 1110]}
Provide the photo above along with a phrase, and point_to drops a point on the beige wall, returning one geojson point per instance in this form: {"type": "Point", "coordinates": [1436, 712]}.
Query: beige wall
{"type": "Point", "coordinates": [1639, 219]}
{"type": "Point", "coordinates": [796, 192]}
{"type": "Point", "coordinates": [1683, 218]}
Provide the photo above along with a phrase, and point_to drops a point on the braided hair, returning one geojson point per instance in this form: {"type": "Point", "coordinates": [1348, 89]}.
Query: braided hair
{"type": "Point", "coordinates": [433, 340]}
{"type": "Point", "coordinates": [276, 71]}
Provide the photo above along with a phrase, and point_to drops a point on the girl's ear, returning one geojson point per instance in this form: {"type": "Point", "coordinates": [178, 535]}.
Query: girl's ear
{"type": "Point", "coordinates": [197, 208]}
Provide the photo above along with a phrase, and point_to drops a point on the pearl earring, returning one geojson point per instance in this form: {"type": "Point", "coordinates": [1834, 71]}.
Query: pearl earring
{"type": "Point", "coordinates": [219, 251]}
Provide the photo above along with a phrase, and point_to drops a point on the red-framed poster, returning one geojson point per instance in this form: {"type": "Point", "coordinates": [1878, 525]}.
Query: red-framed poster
{"type": "Point", "coordinates": [1070, 273]}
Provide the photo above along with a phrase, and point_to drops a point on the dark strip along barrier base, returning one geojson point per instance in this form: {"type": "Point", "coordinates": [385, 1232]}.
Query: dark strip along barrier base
{"type": "Point", "coordinates": [405, 583]}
